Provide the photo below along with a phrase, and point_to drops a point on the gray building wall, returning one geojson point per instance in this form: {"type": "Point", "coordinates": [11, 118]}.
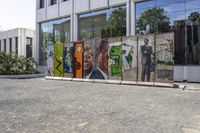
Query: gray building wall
{"type": "Point", "coordinates": [21, 34]}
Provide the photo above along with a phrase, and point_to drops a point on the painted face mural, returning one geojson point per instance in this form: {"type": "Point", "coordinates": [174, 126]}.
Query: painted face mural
{"type": "Point", "coordinates": [68, 60]}
{"type": "Point", "coordinates": [101, 59]}
{"type": "Point", "coordinates": [58, 60]}
{"type": "Point", "coordinates": [135, 58]}
{"type": "Point", "coordinates": [164, 57]}
{"type": "Point", "coordinates": [146, 55]}
{"type": "Point", "coordinates": [116, 58]}
{"type": "Point", "coordinates": [89, 59]}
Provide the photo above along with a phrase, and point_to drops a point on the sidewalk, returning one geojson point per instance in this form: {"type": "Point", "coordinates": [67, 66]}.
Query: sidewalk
{"type": "Point", "coordinates": [190, 86]}
{"type": "Point", "coordinates": [119, 82]}
{"type": "Point", "coordinates": [38, 105]}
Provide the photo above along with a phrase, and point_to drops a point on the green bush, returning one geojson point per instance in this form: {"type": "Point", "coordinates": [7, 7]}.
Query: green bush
{"type": "Point", "coordinates": [11, 64]}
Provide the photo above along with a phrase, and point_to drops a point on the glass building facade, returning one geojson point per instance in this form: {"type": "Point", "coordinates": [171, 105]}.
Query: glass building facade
{"type": "Point", "coordinates": [52, 32]}
{"type": "Point", "coordinates": [180, 16]}
{"type": "Point", "coordinates": [102, 24]}
{"type": "Point", "coordinates": [151, 16]}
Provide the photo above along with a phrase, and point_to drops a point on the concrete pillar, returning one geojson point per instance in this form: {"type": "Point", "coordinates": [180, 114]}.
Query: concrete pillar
{"type": "Point", "coordinates": [36, 46]}
{"type": "Point", "coordinates": [7, 45]}
{"type": "Point", "coordinates": [13, 45]}
{"type": "Point", "coordinates": [20, 42]}
{"type": "Point", "coordinates": [128, 18]}
{"type": "Point", "coordinates": [75, 27]}
{"type": "Point", "coordinates": [133, 18]}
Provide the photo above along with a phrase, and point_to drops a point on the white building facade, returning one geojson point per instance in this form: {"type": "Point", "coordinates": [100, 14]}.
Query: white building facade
{"type": "Point", "coordinates": [76, 17]}
{"type": "Point", "coordinates": [19, 41]}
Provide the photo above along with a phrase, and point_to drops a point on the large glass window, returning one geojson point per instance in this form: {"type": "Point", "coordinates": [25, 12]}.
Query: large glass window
{"type": "Point", "coordinates": [16, 45]}
{"type": "Point", "coordinates": [180, 16]}
{"type": "Point", "coordinates": [10, 40]}
{"type": "Point", "coordinates": [0, 45]}
{"type": "Point", "coordinates": [29, 42]}
{"type": "Point", "coordinates": [41, 4]}
{"type": "Point", "coordinates": [52, 32]}
{"type": "Point", "coordinates": [193, 36]}
{"type": "Point", "coordinates": [101, 24]}
{"type": "Point", "coordinates": [53, 2]}
{"type": "Point", "coordinates": [4, 45]}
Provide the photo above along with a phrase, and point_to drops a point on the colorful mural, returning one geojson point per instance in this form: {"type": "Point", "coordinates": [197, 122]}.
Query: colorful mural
{"type": "Point", "coordinates": [78, 60]}
{"type": "Point", "coordinates": [164, 57]}
{"type": "Point", "coordinates": [129, 58]}
{"type": "Point", "coordinates": [50, 59]}
{"type": "Point", "coordinates": [101, 59]}
{"type": "Point", "coordinates": [89, 59]}
{"type": "Point", "coordinates": [58, 60]}
{"type": "Point", "coordinates": [115, 58]}
{"type": "Point", "coordinates": [146, 58]}
{"type": "Point", "coordinates": [68, 60]}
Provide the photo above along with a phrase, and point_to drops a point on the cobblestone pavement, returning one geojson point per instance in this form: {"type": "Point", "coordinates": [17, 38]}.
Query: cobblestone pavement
{"type": "Point", "coordinates": [38, 105]}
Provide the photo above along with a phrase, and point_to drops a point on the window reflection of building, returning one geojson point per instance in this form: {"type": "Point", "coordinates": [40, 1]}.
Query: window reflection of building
{"type": "Point", "coordinates": [99, 24]}
{"type": "Point", "coordinates": [91, 26]}
{"type": "Point", "coordinates": [50, 32]}
{"type": "Point", "coordinates": [179, 13]}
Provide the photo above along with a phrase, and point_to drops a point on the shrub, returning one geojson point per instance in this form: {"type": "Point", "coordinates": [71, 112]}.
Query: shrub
{"type": "Point", "coordinates": [11, 64]}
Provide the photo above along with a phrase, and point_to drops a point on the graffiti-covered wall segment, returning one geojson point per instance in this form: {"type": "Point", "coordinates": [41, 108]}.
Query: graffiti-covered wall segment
{"type": "Point", "coordinates": [148, 58]}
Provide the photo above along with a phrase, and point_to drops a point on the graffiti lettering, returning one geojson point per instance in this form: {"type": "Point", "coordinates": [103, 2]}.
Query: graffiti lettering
{"type": "Point", "coordinates": [165, 74]}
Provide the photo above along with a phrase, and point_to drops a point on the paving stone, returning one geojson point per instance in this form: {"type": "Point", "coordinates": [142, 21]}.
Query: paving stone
{"type": "Point", "coordinates": [39, 105]}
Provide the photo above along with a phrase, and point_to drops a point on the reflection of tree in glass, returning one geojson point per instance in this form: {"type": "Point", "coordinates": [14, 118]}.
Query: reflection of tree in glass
{"type": "Point", "coordinates": [117, 23]}
{"type": "Point", "coordinates": [194, 19]}
{"type": "Point", "coordinates": [85, 35]}
{"type": "Point", "coordinates": [180, 23]}
{"type": "Point", "coordinates": [153, 20]}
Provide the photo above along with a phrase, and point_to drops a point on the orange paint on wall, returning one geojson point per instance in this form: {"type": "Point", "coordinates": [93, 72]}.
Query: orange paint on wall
{"type": "Point", "coordinates": [78, 54]}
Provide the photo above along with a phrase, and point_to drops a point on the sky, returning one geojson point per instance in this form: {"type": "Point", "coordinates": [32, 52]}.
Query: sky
{"type": "Point", "coordinates": [17, 14]}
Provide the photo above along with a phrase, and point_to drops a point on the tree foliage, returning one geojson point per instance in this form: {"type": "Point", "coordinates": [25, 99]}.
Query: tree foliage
{"type": "Point", "coordinates": [194, 17]}
{"type": "Point", "coordinates": [154, 20]}
{"type": "Point", "coordinates": [10, 62]}
{"type": "Point", "coordinates": [117, 22]}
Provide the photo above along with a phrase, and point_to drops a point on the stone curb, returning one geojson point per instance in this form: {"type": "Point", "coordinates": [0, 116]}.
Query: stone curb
{"type": "Point", "coordinates": [118, 82]}
{"type": "Point", "coordinates": [25, 76]}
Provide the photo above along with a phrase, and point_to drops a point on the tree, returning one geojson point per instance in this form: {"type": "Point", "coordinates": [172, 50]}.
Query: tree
{"type": "Point", "coordinates": [10, 63]}
{"type": "Point", "coordinates": [30, 63]}
{"type": "Point", "coordinates": [7, 61]}
{"type": "Point", "coordinates": [117, 23]}
{"type": "Point", "coordinates": [21, 62]}
{"type": "Point", "coordinates": [154, 20]}
{"type": "Point", "coordinates": [180, 24]}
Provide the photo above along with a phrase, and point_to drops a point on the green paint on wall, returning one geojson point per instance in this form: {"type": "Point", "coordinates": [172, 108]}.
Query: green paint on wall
{"type": "Point", "coordinates": [116, 56]}
{"type": "Point", "coordinates": [58, 60]}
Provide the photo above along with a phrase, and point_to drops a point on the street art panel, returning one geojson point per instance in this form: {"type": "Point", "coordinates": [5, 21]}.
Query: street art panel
{"type": "Point", "coordinates": [129, 58]}
{"type": "Point", "coordinates": [146, 58]}
{"type": "Point", "coordinates": [115, 59]}
{"type": "Point", "coordinates": [164, 57]}
{"type": "Point", "coordinates": [68, 60]}
{"type": "Point", "coordinates": [89, 60]}
{"type": "Point", "coordinates": [50, 59]}
{"type": "Point", "coordinates": [58, 60]}
{"type": "Point", "coordinates": [78, 60]}
{"type": "Point", "coordinates": [101, 59]}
